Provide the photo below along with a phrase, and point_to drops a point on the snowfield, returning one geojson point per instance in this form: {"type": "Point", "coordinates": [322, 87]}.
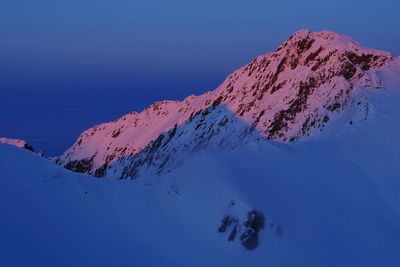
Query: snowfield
{"type": "Point", "coordinates": [329, 200]}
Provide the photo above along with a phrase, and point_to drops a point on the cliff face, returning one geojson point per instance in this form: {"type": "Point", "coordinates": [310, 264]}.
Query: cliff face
{"type": "Point", "coordinates": [286, 95]}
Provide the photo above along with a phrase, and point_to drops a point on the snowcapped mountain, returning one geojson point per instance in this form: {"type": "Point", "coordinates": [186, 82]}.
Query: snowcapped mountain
{"type": "Point", "coordinates": [214, 191]}
{"type": "Point", "coordinates": [310, 81]}
{"type": "Point", "coordinates": [16, 142]}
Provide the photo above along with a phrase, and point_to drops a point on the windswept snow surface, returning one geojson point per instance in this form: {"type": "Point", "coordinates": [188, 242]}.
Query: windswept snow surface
{"type": "Point", "coordinates": [335, 197]}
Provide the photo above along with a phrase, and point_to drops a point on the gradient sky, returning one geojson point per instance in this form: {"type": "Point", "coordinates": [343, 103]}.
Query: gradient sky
{"type": "Point", "coordinates": [66, 66]}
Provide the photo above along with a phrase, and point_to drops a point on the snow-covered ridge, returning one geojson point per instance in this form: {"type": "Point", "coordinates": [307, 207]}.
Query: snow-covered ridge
{"type": "Point", "coordinates": [284, 95]}
{"type": "Point", "coordinates": [213, 129]}
{"type": "Point", "coordinates": [16, 142]}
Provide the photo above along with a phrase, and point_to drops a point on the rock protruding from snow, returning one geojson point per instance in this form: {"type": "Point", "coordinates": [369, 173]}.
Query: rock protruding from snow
{"type": "Point", "coordinates": [285, 95]}
{"type": "Point", "coordinates": [16, 142]}
{"type": "Point", "coordinates": [248, 230]}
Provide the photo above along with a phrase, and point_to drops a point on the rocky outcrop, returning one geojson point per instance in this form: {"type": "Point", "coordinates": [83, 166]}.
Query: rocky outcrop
{"type": "Point", "coordinates": [246, 227]}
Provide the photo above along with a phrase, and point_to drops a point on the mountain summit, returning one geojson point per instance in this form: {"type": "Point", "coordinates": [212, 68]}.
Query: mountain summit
{"type": "Point", "coordinates": [310, 81]}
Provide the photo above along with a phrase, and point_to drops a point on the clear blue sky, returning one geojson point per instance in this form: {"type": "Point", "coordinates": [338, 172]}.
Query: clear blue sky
{"type": "Point", "coordinates": [68, 65]}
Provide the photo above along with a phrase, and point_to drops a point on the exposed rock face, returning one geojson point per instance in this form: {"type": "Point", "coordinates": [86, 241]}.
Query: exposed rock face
{"type": "Point", "coordinates": [16, 142]}
{"type": "Point", "coordinates": [284, 95]}
{"type": "Point", "coordinates": [254, 223]}
{"type": "Point", "coordinates": [83, 165]}
{"type": "Point", "coordinates": [246, 229]}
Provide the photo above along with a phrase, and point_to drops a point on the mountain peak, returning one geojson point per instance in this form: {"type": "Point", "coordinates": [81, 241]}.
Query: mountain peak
{"type": "Point", "coordinates": [307, 45]}
{"type": "Point", "coordinates": [286, 95]}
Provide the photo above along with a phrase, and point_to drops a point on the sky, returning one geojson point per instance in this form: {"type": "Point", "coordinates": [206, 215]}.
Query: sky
{"type": "Point", "coordinates": [66, 66]}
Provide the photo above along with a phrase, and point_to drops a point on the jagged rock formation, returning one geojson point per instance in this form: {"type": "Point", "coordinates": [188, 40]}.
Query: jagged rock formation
{"type": "Point", "coordinates": [284, 95]}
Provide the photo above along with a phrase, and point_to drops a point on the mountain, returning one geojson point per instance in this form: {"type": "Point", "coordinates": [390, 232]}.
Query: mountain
{"type": "Point", "coordinates": [222, 188]}
{"type": "Point", "coordinates": [310, 81]}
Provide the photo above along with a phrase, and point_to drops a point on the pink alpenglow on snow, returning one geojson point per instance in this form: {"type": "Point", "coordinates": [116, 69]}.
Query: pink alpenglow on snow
{"type": "Point", "coordinates": [291, 94]}
{"type": "Point", "coordinates": [16, 142]}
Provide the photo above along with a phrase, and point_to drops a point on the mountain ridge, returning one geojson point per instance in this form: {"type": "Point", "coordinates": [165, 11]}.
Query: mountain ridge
{"type": "Point", "coordinates": [16, 142]}
{"type": "Point", "coordinates": [286, 95]}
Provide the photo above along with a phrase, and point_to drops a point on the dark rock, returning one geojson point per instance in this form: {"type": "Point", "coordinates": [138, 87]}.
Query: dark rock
{"type": "Point", "coordinates": [313, 55]}
{"type": "Point", "coordinates": [226, 222]}
{"type": "Point", "coordinates": [26, 146]}
{"type": "Point", "coordinates": [101, 172]}
{"type": "Point", "coordinates": [304, 45]}
{"type": "Point", "coordinates": [255, 222]}
{"type": "Point", "coordinates": [116, 133]}
{"type": "Point", "coordinates": [233, 234]}
{"type": "Point", "coordinates": [249, 239]}
{"type": "Point", "coordinates": [363, 61]}
{"type": "Point", "coordinates": [82, 166]}
{"type": "Point", "coordinates": [333, 107]}
{"type": "Point", "coordinates": [348, 70]}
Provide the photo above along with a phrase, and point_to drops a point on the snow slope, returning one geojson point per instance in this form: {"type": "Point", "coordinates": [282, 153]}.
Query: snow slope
{"type": "Point", "coordinates": [335, 199]}
{"type": "Point", "coordinates": [286, 95]}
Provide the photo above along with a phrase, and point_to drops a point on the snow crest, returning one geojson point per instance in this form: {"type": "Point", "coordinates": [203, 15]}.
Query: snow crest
{"type": "Point", "coordinates": [16, 142]}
